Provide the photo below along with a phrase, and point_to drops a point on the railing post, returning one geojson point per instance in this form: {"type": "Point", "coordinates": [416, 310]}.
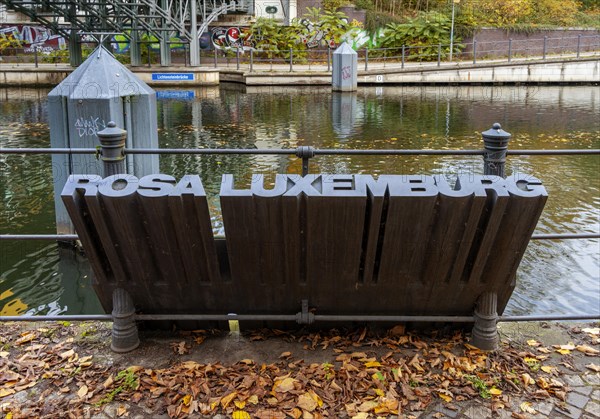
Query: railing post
{"type": "Point", "coordinates": [124, 333]}
{"type": "Point", "coordinates": [328, 59]}
{"type": "Point", "coordinates": [578, 45]}
{"type": "Point", "coordinates": [237, 58]}
{"type": "Point", "coordinates": [403, 55]}
{"type": "Point", "coordinates": [545, 46]}
{"type": "Point", "coordinates": [215, 57]}
{"type": "Point", "coordinates": [35, 56]}
{"type": "Point", "coordinates": [366, 59]}
{"type": "Point", "coordinates": [112, 149]}
{"type": "Point", "coordinates": [474, 51]}
{"type": "Point", "coordinates": [291, 60]}
{"type": "Point", "coordinates": [495, 142]}
{"type": "Point", "coordinates": [251, 59]}
{"type": "Point", "coordinates": [485, 329]}
{"type": "Point", "coordinates": [509, 49]}
{"type": "Point", "coordinates": [439, 54]}
{"type": "Point", "coordinates": [149, 55]}
{"type": "Point", "coordinates": [305, 153]}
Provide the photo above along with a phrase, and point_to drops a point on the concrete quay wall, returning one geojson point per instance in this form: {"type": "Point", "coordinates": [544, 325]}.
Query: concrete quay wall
{"type": "Point", "coordinates": [586, 70]}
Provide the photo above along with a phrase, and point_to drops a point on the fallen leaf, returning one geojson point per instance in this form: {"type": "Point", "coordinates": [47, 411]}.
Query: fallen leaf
{"type": "Point", "coordinates": [361, 415]}
{"type": "Point", "coordinates": [228, 399]}
{"type": "Point", "coordinates": [495, 391]}
{"type": "Point", "coordinates": [533, 342]}
{"type": "Point", "coordinates": [306, 402]}
{"type": "Point", "coordinates": [588, 350]}
{"type": "Point", "coordinates": [593, 367]}
{"type": "Point", "coordinates": [6, 392]}
{"type": "Point", "coordinates": [286, 354]}
{"type": "Point", "coordinates": [548, 369]}
{"type": "Point", "coordinates": [526, 407]}
{"type": "Point", "coordinates": [121, 410]}
{"type": "Point", "coordinates": [367, 406]}
{"type": "Point", "coordinates": [67, 354]}
{"type": "Point", "coordinates": [445, 397]}
{"type": "Point", "coordinates": [592, 330]}
{"type": "Point", "coordinates": [240, 414]}
{"type": "Point", "coordinates": [25, 337]}
{"type": "Point", "coordinates": [83, 390]}
{"type": "Point", "coordinates": [285, 385]}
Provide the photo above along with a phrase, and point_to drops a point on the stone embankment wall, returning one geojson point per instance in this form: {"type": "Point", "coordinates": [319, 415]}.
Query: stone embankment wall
{"type": "Point", "coordinates": [493, 42]}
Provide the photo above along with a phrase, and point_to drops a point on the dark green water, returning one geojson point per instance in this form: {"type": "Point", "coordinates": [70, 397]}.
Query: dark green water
{"type": "Point", "coordinates": [555, 277]}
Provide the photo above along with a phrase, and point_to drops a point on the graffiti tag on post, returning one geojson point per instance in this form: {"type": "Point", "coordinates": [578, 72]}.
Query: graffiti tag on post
{"type": "Point", "coordinates": [89, 125]}
{"type": "Point", "coordinates": [346, 72]}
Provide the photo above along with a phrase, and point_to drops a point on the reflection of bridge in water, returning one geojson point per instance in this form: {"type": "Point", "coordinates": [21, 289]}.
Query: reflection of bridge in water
{"type": "Point", "coordinates": [140, 21]}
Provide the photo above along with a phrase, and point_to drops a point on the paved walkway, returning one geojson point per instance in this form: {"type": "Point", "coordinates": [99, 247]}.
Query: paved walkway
{"type": "Point", "coordinates": [542, 370]}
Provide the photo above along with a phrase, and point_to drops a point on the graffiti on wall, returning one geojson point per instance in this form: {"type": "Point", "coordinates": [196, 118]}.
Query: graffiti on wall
{"type": "Point", "coordinates": [231, 37]}
{"type": "Point", "coordinates": [32, 36]}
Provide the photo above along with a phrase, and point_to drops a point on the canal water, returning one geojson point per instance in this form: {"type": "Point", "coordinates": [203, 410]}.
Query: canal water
{"type": "Point", "coordinates": [555, 277]}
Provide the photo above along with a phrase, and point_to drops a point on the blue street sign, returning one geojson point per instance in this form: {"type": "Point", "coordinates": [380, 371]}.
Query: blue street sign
{"type": "Point", "coordinates": [173, 76]}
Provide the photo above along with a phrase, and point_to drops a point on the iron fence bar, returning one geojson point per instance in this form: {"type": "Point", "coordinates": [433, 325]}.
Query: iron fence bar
{"type": "Point", "coordinates": [65, 237]}
{"type": "Point", "coordinates": [550, 317]}
{"type": "Point", "coordinates": [565, 236]}
{"type": "Point", "coordinates": [294, 317]}
{"type": "Point", "coordinates": [65, 317]}
{"type": "Point", "coordinates": [564, 152]}
{"type": "Point", "coordinates": [71, 237]}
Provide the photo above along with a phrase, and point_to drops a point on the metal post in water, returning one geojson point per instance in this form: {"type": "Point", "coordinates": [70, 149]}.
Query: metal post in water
{"type": "Point", "coordinates": [485, 329]}
{"type": "Point", "coordinates": [509, 49]}
{"type": "Point", "coordinates": [251, 59]}
{"type": "Point", "coordinates": [215, 57]}
{"type": "Point", "coordinates": [366, 59]}
{"type": "Point", "coordinates": [237, 58]}
{"type": "Point", "coordinates": [35, 56]}
{"type": "Point", "coordinates": [291, 60]}
{"type": "Point", "coordinates": [124, 333]}
{"type": "Point", "coordinates": [495, 142]}
{"type": "Point", "coordinates": [544, 49]}
{"type": "Point", "coordinates": [474, 51]}
{"type": "Point", "coordinates": [439, 54]}
{"type": "Point", "coordinates": [328, 59]}
{"type": "Point", "coordinates": [578, 45]}
{"type": "Point", "coordinates": [112, 143]}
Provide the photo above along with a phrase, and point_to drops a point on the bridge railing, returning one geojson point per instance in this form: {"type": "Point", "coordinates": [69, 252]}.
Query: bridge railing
{"type": "Point", "coordinates": [319, 59]}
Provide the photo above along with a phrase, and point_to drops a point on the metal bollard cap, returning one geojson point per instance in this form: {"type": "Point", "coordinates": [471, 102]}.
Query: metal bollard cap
{"type": "Point", "coordinates": [111, 131]}
{"type": "Point", "coordinates": [496, 133]}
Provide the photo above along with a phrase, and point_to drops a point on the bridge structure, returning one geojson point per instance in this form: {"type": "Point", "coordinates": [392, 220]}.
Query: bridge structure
{"type": "Point", "coordinates": [162, 19]}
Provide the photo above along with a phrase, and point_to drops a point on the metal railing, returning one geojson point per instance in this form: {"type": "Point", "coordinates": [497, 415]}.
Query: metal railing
{"type": "Point", "coordinates": [315, 59]}
{"type": "Point", "coordinates": [306, 153]}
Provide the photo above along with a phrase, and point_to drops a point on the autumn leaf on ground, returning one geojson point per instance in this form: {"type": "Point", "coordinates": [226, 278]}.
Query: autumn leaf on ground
{"type": "Point", "coordinates": [588, 350]}
{"type": "Point", "coordinates": [526, 407]}
{"type": "Point", "coordinates": [592, 331]}
{"type": "Point", "coordinates": [180, 348]}
{"type": "Point", "coordinates": [25, 337]}
{"type": "Point", "coordinates": [306, 402]}
{"type": "Point", "coordinates": [593, 367]}
{"type": "Point", "coordinates": [533, 342]}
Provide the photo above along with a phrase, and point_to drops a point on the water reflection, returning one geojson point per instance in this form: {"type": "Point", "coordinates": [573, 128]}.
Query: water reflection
{"type": "Point", "coordinates": [555, 276]}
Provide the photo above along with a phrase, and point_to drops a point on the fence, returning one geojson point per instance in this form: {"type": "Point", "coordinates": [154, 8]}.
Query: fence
{"type": "Point", "coordinates": [301, 59]}
{"type": "Point", "coordinates": [493, 162]}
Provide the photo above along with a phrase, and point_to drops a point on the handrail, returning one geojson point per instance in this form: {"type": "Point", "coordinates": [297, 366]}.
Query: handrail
{"type": "Point", "coordinates": [293, 151]}
{"type": "Point", "coordinates": [293, 317]}
{"type": "Point", "coordinates": [73, 237]}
